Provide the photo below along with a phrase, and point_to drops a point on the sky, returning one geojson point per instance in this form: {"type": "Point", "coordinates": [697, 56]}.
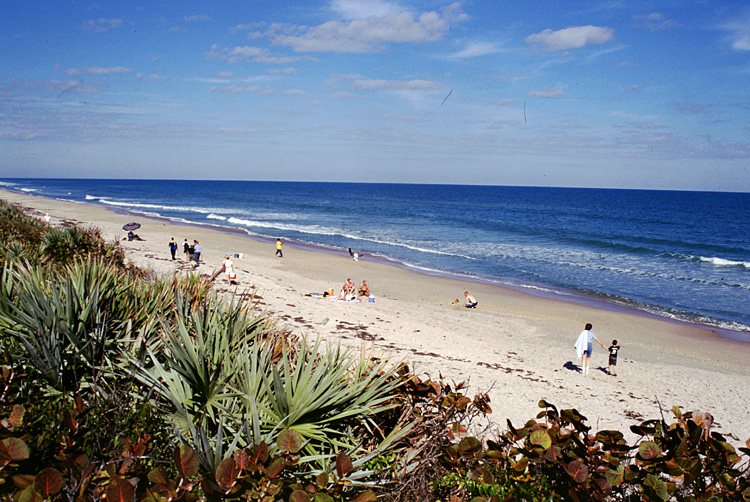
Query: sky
{"type": "Point", "coordinates": [618, 94]}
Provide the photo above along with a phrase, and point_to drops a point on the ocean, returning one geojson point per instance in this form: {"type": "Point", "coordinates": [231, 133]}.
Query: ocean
{"type": "Point", "coordinates": [680, 255]}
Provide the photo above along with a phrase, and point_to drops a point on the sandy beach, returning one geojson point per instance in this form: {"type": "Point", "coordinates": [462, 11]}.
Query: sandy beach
{"type": "Point", "coordinates": [517, 347]}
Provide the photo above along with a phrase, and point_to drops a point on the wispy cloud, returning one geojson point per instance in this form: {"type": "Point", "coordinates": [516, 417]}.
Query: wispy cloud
{"type": "Point", "coordinates": [152, 77]}
{"type": "Point", "coordinates": [196, 18]}
{"type": "Point", "coordinates": [570, 38]}
{"type": "Point", "coordinates": [546, 93]}
{"type": "Point", "coordinates": [249, 53]}
{"type": "Point", "coordinates": [739, 32]}
{"type": "Point", "coordinates": [655, 21]}
{"type": "Point", "coordinates": [101, 25]}
{"type": "Point", "coordinates": [408, 85]}
{"type": "Point", "coordinates": [476, 49]}
{"type": "Point", "coordinates": [372, 33]}
{"type": "Point", "coordinates": [98, 70]}
{"type": "Point", "coordinates": [688, 106]}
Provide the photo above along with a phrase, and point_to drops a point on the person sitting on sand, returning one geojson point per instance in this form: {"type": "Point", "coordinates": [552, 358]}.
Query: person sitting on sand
{"type": "Point", "coordinates": [364, 290]}
{"type": "Point", "coordinates": [347, 289]}
{"type": "Point", "coordinates": [584, 348]}
{"type": "Point", "coordinates": [133, 236]}
{"type": "Point", "coordinates": [471, 302]}
{"type": "Point", "coordinates": [229, 270]}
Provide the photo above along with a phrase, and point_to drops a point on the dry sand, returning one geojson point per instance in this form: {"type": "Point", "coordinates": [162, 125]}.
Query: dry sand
{"type": "Point", "coordinates": [517, 347]}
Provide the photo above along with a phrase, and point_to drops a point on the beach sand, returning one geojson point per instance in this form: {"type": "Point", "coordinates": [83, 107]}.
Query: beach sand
{"type": "Point", "coordinates": [516, 347]}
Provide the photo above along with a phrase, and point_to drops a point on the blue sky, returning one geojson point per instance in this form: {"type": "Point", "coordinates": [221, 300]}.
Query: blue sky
{"type": "Point", "coordinates": [624, 94]}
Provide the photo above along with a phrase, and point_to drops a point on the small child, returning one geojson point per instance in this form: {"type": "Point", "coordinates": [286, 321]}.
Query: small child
{"type": "Point", "coordinates": [612, 370]}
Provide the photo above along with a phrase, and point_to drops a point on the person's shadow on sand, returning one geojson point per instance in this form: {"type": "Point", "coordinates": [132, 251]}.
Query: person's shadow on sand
{"type": "Point", "coordinates": [572, 367]}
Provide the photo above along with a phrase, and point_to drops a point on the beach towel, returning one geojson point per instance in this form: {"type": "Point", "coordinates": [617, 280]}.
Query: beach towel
{"type": "Point", "coordinates": [582, 343]}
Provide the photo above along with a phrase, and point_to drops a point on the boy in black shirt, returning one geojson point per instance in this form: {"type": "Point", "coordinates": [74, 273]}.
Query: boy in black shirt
{"type": "Point", "coordinates": [612, 370]}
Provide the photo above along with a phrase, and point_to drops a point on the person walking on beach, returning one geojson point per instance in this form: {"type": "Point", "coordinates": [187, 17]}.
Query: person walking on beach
{"type": "Point", "coordinates": [612, 369]}
{"type": "Point", "coordinates": [197, 253]}
{"type": "Point", "coordinates": [173, 248]}
{"type": "Point", "coordinates": [584, 348]}
{"type": "Point", "coordinates": [278, 248]}
{"type": "Point", "coordinates": [186, 250]}
{"type": "Point", "coordinates": [471, 302]}
{"type": "Point", "coordinates": [229, 270]}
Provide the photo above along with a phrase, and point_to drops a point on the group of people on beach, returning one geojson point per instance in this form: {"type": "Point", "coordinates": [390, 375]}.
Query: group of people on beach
{"type": "Point", "coordinates": [192, 251]}
{"type": "Point", "coordinates": [584, 348]}
{"type": "Point", "coordinates": [350, 292]}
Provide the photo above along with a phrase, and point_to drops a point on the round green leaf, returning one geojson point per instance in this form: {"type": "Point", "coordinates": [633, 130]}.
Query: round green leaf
{"type": "Point", "coordinates": [13, 449]}
{"type": "Point", "coordinates": [469, 447]}
{"type": "Point", "coordinates": [649, 450]}
{"type": "Point", "coordinates": [290, 440]}
{"type": "Point", "coordinates": [540, 438]}
{"type": "Point", "coordinates": [227, 473]}
{"type": "Point", "coordinates": [577, 470]}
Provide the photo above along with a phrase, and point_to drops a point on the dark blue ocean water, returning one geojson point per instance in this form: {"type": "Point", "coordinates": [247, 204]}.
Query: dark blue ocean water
{"type": "Point", "coordinates": [683, 255]}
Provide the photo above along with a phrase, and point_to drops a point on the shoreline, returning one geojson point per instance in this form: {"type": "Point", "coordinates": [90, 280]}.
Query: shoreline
{"type": "Point", "coordinates": [517, 345]}
{"type": "Point", "coordinates": [533, 290]}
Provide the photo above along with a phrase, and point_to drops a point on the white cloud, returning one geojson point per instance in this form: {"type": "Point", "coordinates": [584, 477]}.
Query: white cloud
{"type": "Point", "coordinates": [98, 70]}
{"type": "Point", "coordinates": [476, 49]}
{"type": "Point", "coordinates": [570, 38]}
{"type": "Point", "coordinates": [101, 25]}
{"type": "Point", "coordinates": [362, 9]}
{"type": "Point", "coordinates": [503, 102]}
{"type": "Point", "coordinates": [409, 85]}
{"type": "Point", "coordinates": [546, 93]}
{"type": "Point", "coordinates": [369, 35]}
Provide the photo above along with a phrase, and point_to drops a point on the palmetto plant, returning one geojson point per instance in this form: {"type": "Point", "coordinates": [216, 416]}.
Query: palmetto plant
{"type": "Point", "coordinates": [229, 385]}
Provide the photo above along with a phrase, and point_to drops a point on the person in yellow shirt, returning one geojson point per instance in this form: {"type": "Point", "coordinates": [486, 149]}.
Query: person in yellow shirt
{"type": "Point", "coordinates": [278, 248]}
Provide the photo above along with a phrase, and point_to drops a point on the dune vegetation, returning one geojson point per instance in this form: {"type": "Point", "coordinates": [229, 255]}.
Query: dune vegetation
{"type": "Point", "coordinates": [122, 385]}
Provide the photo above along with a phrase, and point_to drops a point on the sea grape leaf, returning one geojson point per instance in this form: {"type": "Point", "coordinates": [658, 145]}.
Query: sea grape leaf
{"type": "Point", "coordinates": [227, 473]}
{"type": "Point", "coordinates": [186, 461]}
{"type": "Point", "coordinates": [299, 496]}
{"type": "Point", "coordinates": [649, 450]}
{"type": "Point", "coordinates": [289, 440]}
{"type": "Point", "coordinates": [540, 438]}
{"type": "Point", "coordinates": [365, 496]}
{"type": "Point", "coordinates": [16, 416]}
{"type": "Point", "coordinates": [48, 482]}
{"type": "Point", "coordinates": [577, 470]}
{"type": "Point", "coordinates": [13, 449]}
{"type": "Point", "coordinates": [343, 465]}
{"type": "Point", "coordinates": [652, 485]}
{"type": "Point", "coordinates": [616, 476]}
{"type": "Point", "coordinates": [469, 447]}
{"type": "Point", "coordinates": [119, 490]}
{"type": "Point", "coordinates": [275, 468]}
{"type": "Point", "coordinates": [157, 476]}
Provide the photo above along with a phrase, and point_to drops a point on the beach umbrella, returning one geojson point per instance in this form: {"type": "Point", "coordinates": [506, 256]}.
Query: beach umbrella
{"type": "Point", "coordinates": [131, 226]}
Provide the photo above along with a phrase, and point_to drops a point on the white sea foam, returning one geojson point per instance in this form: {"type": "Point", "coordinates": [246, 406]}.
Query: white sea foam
{"type": "Point", "coordinates": [722, 262]}
{"type": "Point", "coordinates": [29, 189]}
{"type": "Point", "coordinates": [219, 217]}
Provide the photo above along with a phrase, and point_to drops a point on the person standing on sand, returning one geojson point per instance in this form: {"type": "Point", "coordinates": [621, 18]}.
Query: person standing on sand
{"type": "Point", "coordinates": [173, 248]}
{"type": "Point", "coordinates": [584, 348]}
{"type": "Point", "coordinates": [278, 248]}
{"type": "Point", "coordinates": [612, 369]}
{"type": "Point", "coordinates": [186, 250]}
{"type": "Point", "coordinates": [197, 253]}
